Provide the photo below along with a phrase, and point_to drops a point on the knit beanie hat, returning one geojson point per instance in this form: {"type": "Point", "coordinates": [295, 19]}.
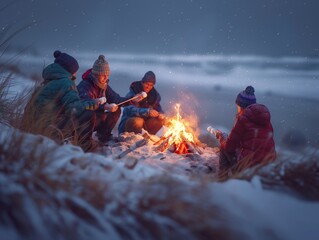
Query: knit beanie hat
{"type": "Point", "coordinates": [68, 62]}
{"type": "Point", "coordinates": [101, 66]}
{"type": "Point", "coordinates": [149, 77]}
{"type": "Point", "coordinates": [246, 97]}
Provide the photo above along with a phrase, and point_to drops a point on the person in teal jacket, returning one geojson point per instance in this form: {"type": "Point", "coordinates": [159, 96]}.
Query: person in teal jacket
{"type": "Point", "coordinates": [55, 108]}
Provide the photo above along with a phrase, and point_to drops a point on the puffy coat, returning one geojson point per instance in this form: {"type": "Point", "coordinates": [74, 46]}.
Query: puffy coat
{"type": "Point", "coordinates": [89, 91]}
{"type": "Point", "coordinates": [251, 139]}
{"type": "Point", "coordinates": [141, 109]}
{"type": "Point", "coordinates": [56, 97]}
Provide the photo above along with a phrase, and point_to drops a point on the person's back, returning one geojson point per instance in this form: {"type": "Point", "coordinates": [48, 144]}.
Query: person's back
{"type": "Point", "coordinates": [253, 135]}
{"type": "Point", "coordinates": [57, 95]}
{"type": "Point", "coordinates": [55, 109]}
{"type": "Point", "coordinates": [251, 140]}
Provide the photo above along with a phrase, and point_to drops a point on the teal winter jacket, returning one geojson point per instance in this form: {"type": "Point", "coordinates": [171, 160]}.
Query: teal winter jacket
{"type": "Point", "coordinates": [54, 100]}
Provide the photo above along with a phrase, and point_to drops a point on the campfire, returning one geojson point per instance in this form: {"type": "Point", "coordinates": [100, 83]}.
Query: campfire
{"type": "Point", "coordinates": [178, 138]}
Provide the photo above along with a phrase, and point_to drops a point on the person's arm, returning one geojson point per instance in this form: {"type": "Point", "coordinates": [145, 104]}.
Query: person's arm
{"type": "Point", "coordinates": [133, 111]}
{"type": "Point", "coordinates": [157, 106]}
{"type": "Point", "coordinates": [88, 98]}
{"type": "Point", "coordinates": [233, 141]}
{"type": "Point", "coordinates": [114, 97]}
{"type": "Point", "coordinates": [71, 100]}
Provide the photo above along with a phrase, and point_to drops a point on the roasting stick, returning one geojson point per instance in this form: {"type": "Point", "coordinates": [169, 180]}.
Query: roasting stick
{"type": "Point", "coordinates": [143, 94]}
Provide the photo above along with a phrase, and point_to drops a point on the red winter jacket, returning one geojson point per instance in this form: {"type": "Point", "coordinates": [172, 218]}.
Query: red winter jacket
{"type": "Point", "coordinates": [251, 139]}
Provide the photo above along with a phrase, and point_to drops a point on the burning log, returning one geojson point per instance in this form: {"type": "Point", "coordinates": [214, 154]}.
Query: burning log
{"type": "Point", "coordinates": [177, 138]}
{"type": "Point", "coordinates": [197, 148]}
{"type": "Point", "coordinates": [162, 139]}
{"type": "Point", "coordinates": [164, 145]}
{"type": "Point", "coordinates": [192, 146]}
{"type": "Point", "coordinates": [182, 148]}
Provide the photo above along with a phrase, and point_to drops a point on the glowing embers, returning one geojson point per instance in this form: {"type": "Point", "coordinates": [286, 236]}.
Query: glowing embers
{"type": "Point", "coordinates": [177, 137]}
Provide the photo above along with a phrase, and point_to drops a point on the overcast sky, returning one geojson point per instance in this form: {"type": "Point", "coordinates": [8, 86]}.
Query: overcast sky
{"type": "Point", "coordinates": [248, 27]}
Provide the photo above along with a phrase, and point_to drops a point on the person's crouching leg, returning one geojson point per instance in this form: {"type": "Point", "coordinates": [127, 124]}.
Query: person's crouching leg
{"type": "Point", "coordinates": [153, 125]}
{"type": "Point", "coordinates": [104, 128]}
{"type": "Point", "coordinates": [134, 124]}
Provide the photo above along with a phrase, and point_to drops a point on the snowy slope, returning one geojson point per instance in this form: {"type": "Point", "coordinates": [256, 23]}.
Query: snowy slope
{"type": "Point", "coordinates": [50, 191]}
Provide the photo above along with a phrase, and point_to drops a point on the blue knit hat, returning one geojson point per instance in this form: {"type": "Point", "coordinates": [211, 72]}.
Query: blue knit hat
{"type": "Point", "coordinates": [68, 62]}
{"type": "Point", "coordinates": [246, 97]}
{"type": "Point", "coordinates": [149, 77]}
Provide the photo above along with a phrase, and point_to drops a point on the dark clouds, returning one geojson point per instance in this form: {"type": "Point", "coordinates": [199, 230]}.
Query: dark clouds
{"type": "Point", "coordinates": [265, 27]}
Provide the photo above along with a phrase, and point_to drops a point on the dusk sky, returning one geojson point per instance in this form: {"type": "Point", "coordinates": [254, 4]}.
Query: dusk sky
{"type": "Point", "coordinates": [241, 27]}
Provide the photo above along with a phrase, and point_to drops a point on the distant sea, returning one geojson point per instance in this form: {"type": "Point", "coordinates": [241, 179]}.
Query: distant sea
{"type": "Point", "coordinates": [298, 76]}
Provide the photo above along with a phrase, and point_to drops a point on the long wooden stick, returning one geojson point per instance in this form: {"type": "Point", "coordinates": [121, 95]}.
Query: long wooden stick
{"type": "Point", "coordinates": [136, 96]}
{"type": "Point", "coordinates": [136, 145]}
{"type": "Point", "coordinates": [143, 94]}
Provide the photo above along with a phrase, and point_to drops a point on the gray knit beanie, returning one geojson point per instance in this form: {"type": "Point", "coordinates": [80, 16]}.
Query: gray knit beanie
{"type": "Point", "coordinates": [101, 66]}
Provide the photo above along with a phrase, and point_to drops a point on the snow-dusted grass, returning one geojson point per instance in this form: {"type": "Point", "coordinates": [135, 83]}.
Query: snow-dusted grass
{"type": "Point", "coordinates": [49, 191]}
{"type": "Point", "coordinates": [10, 108]}
{"type": "Point", "coordinates": [294, 173]}
{"type": "Point", "coordinates": [67, 194]}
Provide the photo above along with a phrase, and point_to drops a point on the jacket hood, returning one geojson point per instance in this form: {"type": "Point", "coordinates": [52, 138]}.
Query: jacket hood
{"type": "Point", "coordinates": [258, 113]}
{"type": "Point", "coordinates": [152, 97]}
{"type": "Point", "coordinates": [55, 72]}
{"type": "Point", "coordinates": [86, 75]}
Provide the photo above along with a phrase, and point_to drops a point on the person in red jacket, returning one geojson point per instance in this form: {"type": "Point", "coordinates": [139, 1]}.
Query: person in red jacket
{"type": "Point", "coordinates": [250, 141]}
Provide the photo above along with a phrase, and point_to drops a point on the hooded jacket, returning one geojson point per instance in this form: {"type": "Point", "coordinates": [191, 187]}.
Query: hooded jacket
{"type": "Point", "coordinates": [142, 108]}
{"type": "Point", "coordinates": [251, 138]}
{"type": "Point", "coordinates": [55, 98]}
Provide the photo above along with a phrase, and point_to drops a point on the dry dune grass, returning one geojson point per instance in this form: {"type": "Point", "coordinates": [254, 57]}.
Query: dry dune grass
{"type": "Point", "coordinates": [61, 200]}
{"type": "Point", "coordinates": [300, 178]}
{"type": "Point", "coordinates": [11, 108]}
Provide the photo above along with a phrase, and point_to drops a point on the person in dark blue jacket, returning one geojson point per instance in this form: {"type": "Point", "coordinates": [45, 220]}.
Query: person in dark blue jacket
{"type": "Point", "coordinates": [55, 108]}
{"type": "Point", "coordinates": [98, 96]}
{"type": "Point", "coordinates": [145, 114]}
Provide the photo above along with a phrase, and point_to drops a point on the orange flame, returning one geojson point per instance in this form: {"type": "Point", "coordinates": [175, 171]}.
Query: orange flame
{"type": "Point", "coordinates": [177, 133]}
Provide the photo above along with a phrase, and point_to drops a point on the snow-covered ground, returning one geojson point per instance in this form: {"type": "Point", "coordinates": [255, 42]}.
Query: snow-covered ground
{"type": "Point", "coordinates": [147, 194]}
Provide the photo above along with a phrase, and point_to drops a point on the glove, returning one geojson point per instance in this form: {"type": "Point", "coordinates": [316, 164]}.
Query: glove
{"type": "Point", "coordinates": [92, 105]}
{"type": "Point", "coordinates": [153, 113]}
{"type": "Point", "coordinates": [111, 107]}
{"type": "Point", "coordinates": [101, 100]}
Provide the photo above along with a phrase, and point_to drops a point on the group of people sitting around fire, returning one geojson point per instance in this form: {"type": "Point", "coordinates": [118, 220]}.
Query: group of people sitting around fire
{"type": "Point", "coordinates": [60, 110]}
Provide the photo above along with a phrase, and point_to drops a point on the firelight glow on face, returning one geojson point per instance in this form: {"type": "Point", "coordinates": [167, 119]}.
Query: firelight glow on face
{"type": "Point", "coordinates": [147, 86]}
